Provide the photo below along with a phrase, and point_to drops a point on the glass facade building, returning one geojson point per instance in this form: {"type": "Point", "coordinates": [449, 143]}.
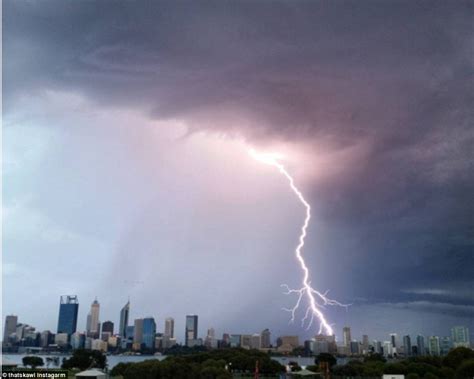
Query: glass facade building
{"type": "Point", "coordinates": [68, 310]}
{"type": "Point", "coordinates": [149, 332]}
{"type": "Point", "coordinates": [191, 332]}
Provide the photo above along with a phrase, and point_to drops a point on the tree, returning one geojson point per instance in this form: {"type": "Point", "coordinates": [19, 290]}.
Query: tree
{"type": "Point", "coordinates": [375, 358]}
{"type": "Point", "coordinates": [32, 361]}
{"type": "Point", "coordinates": [465, 370]}
{"type": "Point", "coordinates": [430, 376]}
{"type": "Point", "coordinates": [456, 356]}
{"type": "Point", "coordinates": [395, 368]}
{"type": "Point", "coordinates": [326, 357]}
{"type": "Point", "coordinates": [412, 375]}
{"type": "Point", "coordinates": [84, 359]}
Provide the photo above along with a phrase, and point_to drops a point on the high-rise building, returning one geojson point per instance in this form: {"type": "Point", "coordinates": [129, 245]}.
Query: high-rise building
{"type": "Point", "coordinates": [365, 343]}
{"type": "Point", "coordinates": [149, 332]}
{"type": "Point", "coordinates": [78, 341]}
{"type": "Point", "coordinates": [460, 336]}
{"type": "Point", "coordinates": [377, 347]}
{"type": "Point", "coordinates": [235, 340]}
{"type": "Point", "coordinates": [46, 338]}
{"type": "Point", "coordinates": [266, 339]}
{"type": "Point", "coordinates": [434, 346]}
{"type": "Point", "coordinates": [107, 330]}
{"type": "Point", "coordinates": [93, 329]}
{"type": "Point", "coordinates": [407, 345]}
{"type": "Point", "coordinates": [246, 341]}
{"type": "Point", "coordinates": [108, 326]}
{"type": "Point", "coordinates": [394, 340]}
{"type": "Point", "coordinates": [68, 310]}
{"type": "Point", "coordinates": [387, 348]}
{"type": "Point", "coordinates": [10, 326]}
{"type": "Point", "coordinates": [420, 344]}
{"type": "Point", "coordinates": [445, 344]}
{"type": "Point", "coordinates": [169, 327]}
{"type": "Point", "coordinates": [138, 331]}
{"type": "Point", "coordinates": [346, 336]}
{"type": "Point", "coordinates": [191, 331]}
{"type": "Point", "coordinates": [256, 341]}
{"type": "Point", "coordinates": [355, 347]}
{"type": "Point", "coordinates": [124, 313]}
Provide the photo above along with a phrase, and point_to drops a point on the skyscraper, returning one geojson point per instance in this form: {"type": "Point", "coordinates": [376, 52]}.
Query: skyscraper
{"type": "Point", "coordinates": [10, 326]}
{"type": "Point", "coordinates": [149, 332]}
{"type": "Point", "coordinates": [420, 344]}
{"type": "Point", "coordinates": [124, 313]}
{"type": "Point", "coordinates": [169, 327]}
{"type": "Point", "coordinates": [93, 329]}
{"type": "Point", "coordinates": [68, 309]}
{"type": "Point", "coordinates": [266, 338]}
{"type": "Point", "coordinates": [108, 326]}
{"type": "Point", "coordinates": [365, 343]}
{"type": "Point", "coordinates": [138, 331]}
{"type": "Point", "coordinates": [346, 336]}
{"type": "Point", "coordinates": [394, 340]}
{"type": "Point", "coordinates": [460, 336]}
{"type": "Point", "coordinates": [433, 345]}
{"type": "Point", "coordinates": [407, 345]}
{"type": "Point", "coordinates": [191, 331]}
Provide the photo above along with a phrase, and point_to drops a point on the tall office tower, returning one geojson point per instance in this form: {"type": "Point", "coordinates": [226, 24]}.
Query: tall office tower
{"type": "Point", "coordinates": [191, 331]}
{"type": "Point", "coordinates": [108, 326]}
{"type": "Point", "coordinates": [445, 344]}
{"type": "Point", "coordinates": [434, 346]}
{"type": "Point", "coordinates": [256, 341]}
{"type": "Point", "coordinates": [169, 327]}
{"type": "Point", "coordinates": [460, 336]}
{"type": "Point", "coordinates": [420, 344]}
{"type": "Point", "coordinates": [149, 332]}
{"type": "Point", "coordinates": [346, 336]}
{"type": "Point", "coordinates": [93, 329]}
{"type": "Point", "coordinates": [365, 343]}
{"type": "Point", "coordinates": [10, 326]}
{"type": "Point", "coordinates": [124, 313]}
{"type": "Point", "coordinates": [68, 309]}
{"type": "Point", "coordinates": [394, 340]}
{"type": "Point", "coordinates": [138, 331]}
{"type": "Point", "coordinates": [266, 339]}
{"type": "Point", "coordinates": [407, 345]}
{"type": "Point", "coordinates": [377, 347]}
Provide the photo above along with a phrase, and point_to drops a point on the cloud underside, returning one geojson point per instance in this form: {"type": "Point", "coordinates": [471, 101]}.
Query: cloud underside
{"type": "Point", "coordinates": [381, 90]}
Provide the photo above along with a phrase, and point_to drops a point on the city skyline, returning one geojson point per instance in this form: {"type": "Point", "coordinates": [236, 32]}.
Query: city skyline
{"type": "Point", "coordinates": [126, 167]}
{"type": "Point", "coordinates": [191, 328]}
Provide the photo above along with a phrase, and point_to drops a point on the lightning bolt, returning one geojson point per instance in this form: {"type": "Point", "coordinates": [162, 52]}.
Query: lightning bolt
{"type": "Point", "coordinates": [316, 300]}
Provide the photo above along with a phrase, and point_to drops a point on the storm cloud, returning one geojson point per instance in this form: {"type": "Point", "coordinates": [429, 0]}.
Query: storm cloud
{"type": "Point", "coordinates": [377, 97]}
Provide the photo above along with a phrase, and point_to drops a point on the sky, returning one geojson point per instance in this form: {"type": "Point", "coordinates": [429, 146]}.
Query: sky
{"type": "Point", "coordinates": [126, 130]}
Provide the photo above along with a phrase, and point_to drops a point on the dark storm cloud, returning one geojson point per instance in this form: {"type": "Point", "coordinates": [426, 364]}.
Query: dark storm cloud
{"type": "Point", "coordinates": [393, 76]}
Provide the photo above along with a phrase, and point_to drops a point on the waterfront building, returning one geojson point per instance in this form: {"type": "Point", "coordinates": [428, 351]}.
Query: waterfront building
{"type": "Point", "coordinates": [149, 332]}
{"type": "Point", "coordinates": [11, 322]}
{"type": "Point", "coordinates": [235, 340]}
{"type": "Point", "coordinates": [434, 346]}
{"type": "Point", "coordinates": [407, 345]}
{"type": "Point", "coordinates": [61, 339]}
{"type": "Point", "coordinates": [460, 336]}
{"type": "Point", "coordinates": [78, 341]}
{"type": "Point", "coordinates": [124, 314]}
{"type": "Point", "coordinates": [420, 345]}
{"type": "Point", "coordinates": [346, 336]}
{"type": "Point", "coordinates": [266, 339]}
{"type": "Point", "coordinates": [169, 327]}
{"type": "Point", "coordinates": [138, 333]}
{"type": "Point", "coordinates": [191, 330]}
{"type": "Point", "coordinates": [68, 310]}
{"type": "Point", "coordinates": [256, 341]}
{"type": "Point", "coordinates": [445, 344]}
{"type": "Point", "coordinates": [93, 327]}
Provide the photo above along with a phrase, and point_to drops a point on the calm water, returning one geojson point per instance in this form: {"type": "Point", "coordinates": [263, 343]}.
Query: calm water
{"type": "Point", "coordinates": [113, 360]}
